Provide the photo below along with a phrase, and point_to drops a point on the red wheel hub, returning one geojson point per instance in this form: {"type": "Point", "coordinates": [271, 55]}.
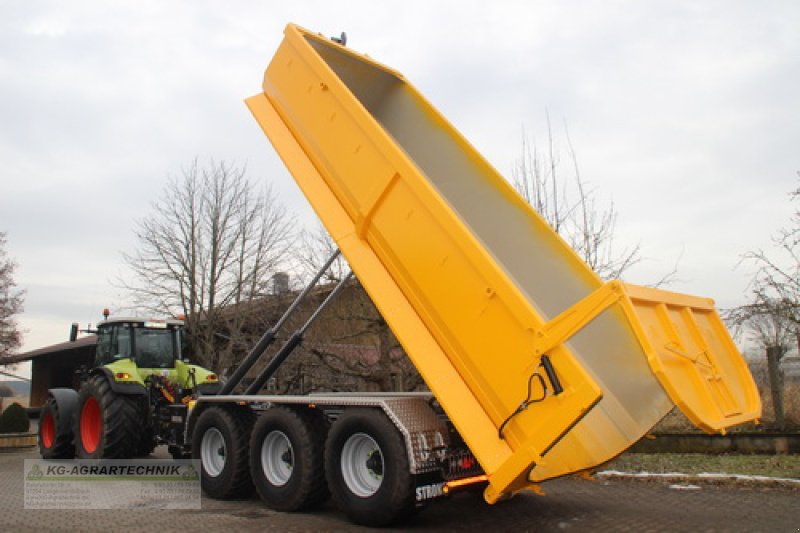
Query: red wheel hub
{"type": "Point", "coordinates": [91, 425]}
{"type": "Point", "coordinates": [47, 430]}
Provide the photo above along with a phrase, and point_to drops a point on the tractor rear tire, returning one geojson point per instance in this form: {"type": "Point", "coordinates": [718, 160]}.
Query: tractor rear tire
{"type": "Point", "coordinates": [107, 425]}
{"type": "Point", "coordinates": [221, 440]}
{"type": "Point", "coordinates": [55, 435]}
{"type": "Point", "coordinates": [286, 459]}
{"type": "Point", "coordinates": [367, 468]}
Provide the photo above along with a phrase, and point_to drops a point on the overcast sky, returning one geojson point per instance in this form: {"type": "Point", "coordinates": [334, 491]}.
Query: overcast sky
{"type": "Point", "coordinates": [685, 114]}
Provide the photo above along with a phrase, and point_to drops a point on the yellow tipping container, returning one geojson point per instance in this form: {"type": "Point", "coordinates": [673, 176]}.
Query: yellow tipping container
{"type": "Point", "coordinates": [484, 296]}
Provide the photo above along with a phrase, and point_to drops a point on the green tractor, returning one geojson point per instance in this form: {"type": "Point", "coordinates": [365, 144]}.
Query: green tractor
{"type": "Point", "coordinates": [136, 396]}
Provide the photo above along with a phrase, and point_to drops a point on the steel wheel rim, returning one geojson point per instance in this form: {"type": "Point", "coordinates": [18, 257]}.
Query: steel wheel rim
{"type": "Point", "coordinates": [362, 465]}
{"type": "Point", "coordinates": [91, 425]}
{"type": "Point", "coordinates": [277, 458]}
{"type": "Point", "coordinates": [213, 452]}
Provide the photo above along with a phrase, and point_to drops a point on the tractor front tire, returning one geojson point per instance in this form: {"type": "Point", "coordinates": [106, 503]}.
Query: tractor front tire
{"type": "Point", "coordinates": [55, 434]}
{"type": "Point", "coordinates": [107, 425]}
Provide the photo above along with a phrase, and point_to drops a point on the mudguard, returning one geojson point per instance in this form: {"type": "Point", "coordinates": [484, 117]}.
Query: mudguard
{"type": "Point", "coordinates": [67, 402]}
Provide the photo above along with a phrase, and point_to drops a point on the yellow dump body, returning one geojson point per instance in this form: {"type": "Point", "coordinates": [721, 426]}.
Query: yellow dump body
{"type": "Point", "coordinates": [477, 287]}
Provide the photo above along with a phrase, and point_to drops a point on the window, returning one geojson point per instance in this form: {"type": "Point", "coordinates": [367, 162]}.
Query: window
{"type": "Point", "coordinates": [121, 342]}
{"type": "Point", "coordinates": [113, 343]}
{"type": "Point", "coordinates": [155, 348]}
{"type": "Point", "coordinates": [103, 346]}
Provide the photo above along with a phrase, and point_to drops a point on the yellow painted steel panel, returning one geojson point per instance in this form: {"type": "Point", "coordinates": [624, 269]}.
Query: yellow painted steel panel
{"type": "Point", "coordinates": [438, 371]}
{"type": "Point", "coordinates": [694, 357]}
{"type": "Point", "coordinates": [689, 352]}
{"type": "Point", "coordinates": [474, 283]}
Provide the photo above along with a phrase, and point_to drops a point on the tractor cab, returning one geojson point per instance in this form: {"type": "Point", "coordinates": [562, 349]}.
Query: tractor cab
{"type": "Point", "coordinates": [156, 344]}
{"type": "Point", "coordinates": [149, 352]}
{"type": "Point", "coordinates": [136, 354]}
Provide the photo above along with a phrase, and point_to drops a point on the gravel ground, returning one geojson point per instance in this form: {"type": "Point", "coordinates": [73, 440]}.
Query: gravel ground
{"type": "Point", "coordinates": [610, 504]}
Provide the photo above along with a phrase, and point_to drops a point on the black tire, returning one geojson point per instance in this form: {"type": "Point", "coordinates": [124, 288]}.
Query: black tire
{"type": "Point", "coordinates": [367, 468]}
{"type": "Point", "coordinates": [286, 459]}
{"type": "Point", "coordinates": [221, 439]}
{"type": "Point", "coordinates": [107, 425]}
{"type": "Point", "coordinates": [56, 440]}
{"type": "Point", "coordinates": [147, 443]}
{"type": "Point", "coordinates": [147, 437]}
{"type": "Point", "coordinates": [179, 453]}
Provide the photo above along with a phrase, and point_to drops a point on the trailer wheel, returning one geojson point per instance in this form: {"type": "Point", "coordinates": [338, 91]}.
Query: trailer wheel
{"type": "Point", "coordinates": [220, 440]}
{"type": "Point", "coordinates": [56, 439]}
{"type": "Point", "coordinates": [286, 459]}
{"type": "Point", "coordinates": [367, 468]}
{"type": "Point", "coordinates": [107, 425]}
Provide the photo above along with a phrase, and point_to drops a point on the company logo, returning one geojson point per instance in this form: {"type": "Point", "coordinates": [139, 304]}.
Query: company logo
{"type": "Point", "coordinates": [428, 492]}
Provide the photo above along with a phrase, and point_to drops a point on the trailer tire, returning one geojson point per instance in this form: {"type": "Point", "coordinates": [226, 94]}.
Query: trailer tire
{"type": "Point", "coordinates": [56, 438]}
{"type": "Point", "coordinates": [286, 459]}
{"type": "Point", "coordinates": [107, 425]}
{"type": "Point", "coordinates": [220, 440]}
{"type": "Point", "coordinates": [367, 468]}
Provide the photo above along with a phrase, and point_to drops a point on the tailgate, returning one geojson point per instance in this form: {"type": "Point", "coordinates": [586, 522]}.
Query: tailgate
{"type": "Point", "coordinates": [694, 357]}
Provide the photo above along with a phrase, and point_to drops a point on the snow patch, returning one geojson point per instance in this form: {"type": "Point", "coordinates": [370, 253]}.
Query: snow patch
{"type": "Point", "coordinates": [703, 475]}
{"type": "Point", "coordinates": [685, 487]}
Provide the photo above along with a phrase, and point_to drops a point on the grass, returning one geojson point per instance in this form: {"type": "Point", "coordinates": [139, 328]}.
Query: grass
{"type": "Point", "coordinates": [784, 466]}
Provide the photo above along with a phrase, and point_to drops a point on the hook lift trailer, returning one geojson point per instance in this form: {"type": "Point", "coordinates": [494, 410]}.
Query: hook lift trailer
{"type": "Point", "coordinates": [536, 367]}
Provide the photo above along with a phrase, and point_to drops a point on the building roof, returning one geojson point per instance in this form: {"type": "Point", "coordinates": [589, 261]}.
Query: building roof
{"type": "Point", "coordinates": [140, 320]}
{"type": "Point", "coordinates": [89, 340]}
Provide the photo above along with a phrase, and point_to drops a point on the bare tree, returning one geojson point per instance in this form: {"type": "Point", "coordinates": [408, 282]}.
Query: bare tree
{"type": "Point", "coordinates": [210, 243]}
{"type": "Point", "coordinates": [316, 247]}
{"type": "Point", "coordinates": [768, 327]}
{"type": "Point", "coordinates": [354, 340]}
{"type": "Point", "coordinates": [563, 199]}
{"type": "Point", "coordinates": [11, 301]}
{"type": "Point", "coordinates": [776, 283]}
{"type": "Point", "coordinates": [772, 318]}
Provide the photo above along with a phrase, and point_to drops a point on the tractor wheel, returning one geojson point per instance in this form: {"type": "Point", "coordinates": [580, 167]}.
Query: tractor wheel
{"type": "Point", "coordinates": [147, 442]}
{"type": "Point", "coordinates": [107, 425]}
{"type": "Point", "coordinates": [286, 459]}
{"type": "Point", "coordinates": [55, 433]}
{"type": "Point", "coordinates": [220, 440]}
{"type": "Point", "coordinates": [367, 468]}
